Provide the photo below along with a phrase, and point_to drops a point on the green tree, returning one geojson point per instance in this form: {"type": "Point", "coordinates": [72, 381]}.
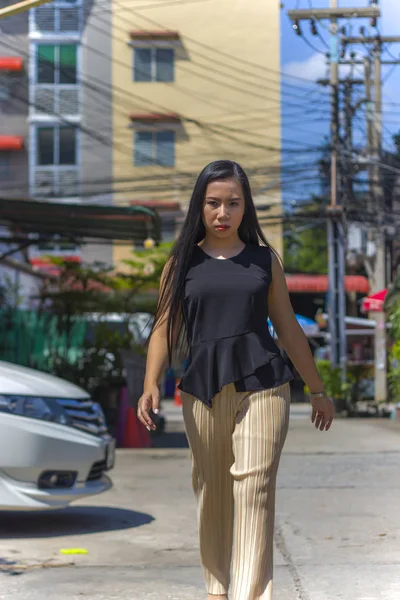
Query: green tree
{"type": "Point", "coordinates": [392, 300]}
{"type": "Point", "coordinates": [389, 177]}
{"type": "Point", "coordinates": [85, 294]}
{"type": "Point", "coordinates": [392, 308]}
{"type": "Point", "coordinates": [305, 242]}
{"type": "Point", "coordinates": [81, 289]}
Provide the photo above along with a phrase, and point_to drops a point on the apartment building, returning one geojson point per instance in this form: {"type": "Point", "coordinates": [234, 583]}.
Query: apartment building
{"type": "Point", "coordinates": [106, 103]}
{"type": "Point", "coordinates": [194, 82]}
{"type": "Point", "coordinates": [55, 111]}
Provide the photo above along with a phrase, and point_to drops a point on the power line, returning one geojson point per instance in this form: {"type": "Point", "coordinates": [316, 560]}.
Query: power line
{"type": "Point", "coordinates": [205, 77]}
{"type": "Point", "coordinates": [224, 131]}
{"type": "Point", "coordinates": [163, 4]}
{"type": "Point", "coordinates": [311, 45]}
{"type": "Point", "coordinates": [283, 169]}
{"type": "Point", "coordinates": [203, 55]}
{"type": "Point", "coordinates": [184, 184]}
{"type": "Point", "coordinates": [226, 54]}
{"type": "Point", "coordinates": [216, 129]}
{"type": "Point", "coordinates": [188, 119]}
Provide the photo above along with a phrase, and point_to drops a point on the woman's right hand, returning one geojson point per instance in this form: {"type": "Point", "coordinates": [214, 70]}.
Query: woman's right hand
{"type": "Point", "coordinates": [149, 400]}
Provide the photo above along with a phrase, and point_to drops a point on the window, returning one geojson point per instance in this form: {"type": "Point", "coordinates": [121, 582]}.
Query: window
{"type": "Point", "coordinates": [56, 146]}
{"type": "Point", "coordinates": [154, 148]}
{"type": "Point", "coordinates": [56, 64]}
{"type": "Point", "coordinates": [154, 64]}
{"type": "Point", "coordinates": [54, 168]}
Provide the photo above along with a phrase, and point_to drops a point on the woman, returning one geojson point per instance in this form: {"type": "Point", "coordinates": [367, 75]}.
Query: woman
{"type": "Point", "coordinates": [217, 290]}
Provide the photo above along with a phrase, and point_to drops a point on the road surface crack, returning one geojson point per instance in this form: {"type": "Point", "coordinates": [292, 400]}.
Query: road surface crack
{"type": "Point", "coordinates": [281, 545]}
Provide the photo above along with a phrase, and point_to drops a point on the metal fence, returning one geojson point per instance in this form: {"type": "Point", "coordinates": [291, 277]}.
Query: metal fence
{"type": "Point", "coordinates": [32, 339]}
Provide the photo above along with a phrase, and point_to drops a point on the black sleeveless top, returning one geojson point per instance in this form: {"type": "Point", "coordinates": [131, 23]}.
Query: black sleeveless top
{"type": "Point", "coordinates": [226, 311]}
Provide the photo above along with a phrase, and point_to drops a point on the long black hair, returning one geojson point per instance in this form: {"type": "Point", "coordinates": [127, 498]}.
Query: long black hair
{"type": "Point", "coordinates": [193, 231]}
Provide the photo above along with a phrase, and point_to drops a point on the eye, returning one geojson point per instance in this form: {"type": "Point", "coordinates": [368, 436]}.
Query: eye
{"type": "Point", "coordinates": [213, 203]}
{"type": "Point", "coordinates": [234, 203]}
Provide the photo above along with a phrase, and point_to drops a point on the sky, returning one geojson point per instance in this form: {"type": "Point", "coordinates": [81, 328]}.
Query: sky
{"type": "Point", "coordinates": [300, 62]}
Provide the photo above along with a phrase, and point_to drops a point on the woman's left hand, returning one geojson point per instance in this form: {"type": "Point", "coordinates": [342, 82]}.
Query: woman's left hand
{"type": "Point", "coordinates": [323, 412]}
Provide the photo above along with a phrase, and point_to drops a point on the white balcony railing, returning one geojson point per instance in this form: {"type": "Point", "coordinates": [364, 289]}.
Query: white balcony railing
{"type": "Point", "coordinates": [55, 19]}
{"type": "Point", "coordinates": [57, 99]}
{"type": "Point", "coordinates": [55, 181]}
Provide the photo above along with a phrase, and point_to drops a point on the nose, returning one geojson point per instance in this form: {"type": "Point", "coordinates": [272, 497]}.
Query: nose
{"type": "Point", "coordinates": [223, 212]}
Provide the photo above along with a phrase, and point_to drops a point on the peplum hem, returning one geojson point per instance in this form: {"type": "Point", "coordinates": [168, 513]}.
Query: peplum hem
{"type": "Point", "coordinates": [214, 364]}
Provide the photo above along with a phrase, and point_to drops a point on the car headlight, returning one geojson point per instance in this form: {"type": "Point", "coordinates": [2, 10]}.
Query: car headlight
{"type": "Point", "coordinates": [97, 409]}
{"type": "Point", "coordinates": [34, 407]}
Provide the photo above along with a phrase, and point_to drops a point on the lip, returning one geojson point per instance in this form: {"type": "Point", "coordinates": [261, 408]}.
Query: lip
{"type": "Point", "coordinates": [222, 227]}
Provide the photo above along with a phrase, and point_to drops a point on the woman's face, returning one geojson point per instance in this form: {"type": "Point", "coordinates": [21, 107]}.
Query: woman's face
{"type": "Point", "coordinates": [224, 207]}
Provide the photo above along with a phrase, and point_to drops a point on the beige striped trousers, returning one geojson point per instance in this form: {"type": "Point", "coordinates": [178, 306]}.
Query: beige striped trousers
{"type": "Point", "coordinates": [236, 447]}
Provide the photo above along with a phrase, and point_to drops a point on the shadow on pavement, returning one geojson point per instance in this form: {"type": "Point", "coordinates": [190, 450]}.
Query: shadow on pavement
{"type": "Point", "coordinates": [69, 521]}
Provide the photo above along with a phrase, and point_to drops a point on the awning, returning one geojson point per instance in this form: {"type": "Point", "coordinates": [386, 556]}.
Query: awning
{"type": "Point", "coordinates": [161, 34]}
{"type": "Point", "coordinates": [79, 221]}
{"type": "Point", "coordinates": [155, 117]}
{"type": "Point", "coordinates": [302, 283]}
{"type": "Point", "coordinates": [374, 302]}
{"type": "Point", "coordinates": [11, 142]}
{"type": "Point", "coordinates": [11, 63]}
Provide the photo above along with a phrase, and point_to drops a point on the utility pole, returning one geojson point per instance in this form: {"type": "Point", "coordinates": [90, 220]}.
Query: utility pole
{"type": "Point", "coordinates": [335, 224]}
{"type": "Point", "coordinates": [334, 81]}
{"type": "Point", "coordinates": [379, 280]}
{"type": "Point", "coordinates": [348, 140]}
{"type": "Point", "coordinates": [348, 112]}
{"type": "Point", "coordinates": [335, 215]}
{"type": "Point", "coordinates": [378, 274]}
{"type": "Point", "coordinates": [370, 119]}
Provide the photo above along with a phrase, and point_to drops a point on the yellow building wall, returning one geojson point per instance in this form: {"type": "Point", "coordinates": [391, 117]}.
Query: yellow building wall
{"type": "Point", "coordinates": [226, 89]}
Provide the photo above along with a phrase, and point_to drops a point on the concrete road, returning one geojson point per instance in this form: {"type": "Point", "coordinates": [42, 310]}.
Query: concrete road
{"type": "Point", "coordinates": [337, 534]}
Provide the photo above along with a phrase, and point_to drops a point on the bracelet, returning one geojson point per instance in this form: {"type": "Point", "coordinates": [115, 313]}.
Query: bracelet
{"type": "Point", "coordinates": [318, 394]}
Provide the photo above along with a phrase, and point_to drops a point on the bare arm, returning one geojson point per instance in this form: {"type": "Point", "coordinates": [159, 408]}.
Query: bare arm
{"type": "Point", "coordinates": [289, 331]}
{"type": "Point", "coordinates": [296, 345]}
{"type": "Point", "coordinates": [157, 360]}
{"type": "Point", "coordinates": [157, 356]}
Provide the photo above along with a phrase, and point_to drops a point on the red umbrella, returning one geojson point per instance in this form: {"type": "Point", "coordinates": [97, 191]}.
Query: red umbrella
{"type": "Point", "coordinates": [374, 302]}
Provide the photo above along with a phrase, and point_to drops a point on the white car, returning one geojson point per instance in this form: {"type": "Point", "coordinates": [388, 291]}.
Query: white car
{"type": "Point", "coordinates": [54, 444]}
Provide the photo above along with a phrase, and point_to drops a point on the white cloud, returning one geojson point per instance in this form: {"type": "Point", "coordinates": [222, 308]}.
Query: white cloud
{"type": "Point", "coordinates": [314, 67]}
